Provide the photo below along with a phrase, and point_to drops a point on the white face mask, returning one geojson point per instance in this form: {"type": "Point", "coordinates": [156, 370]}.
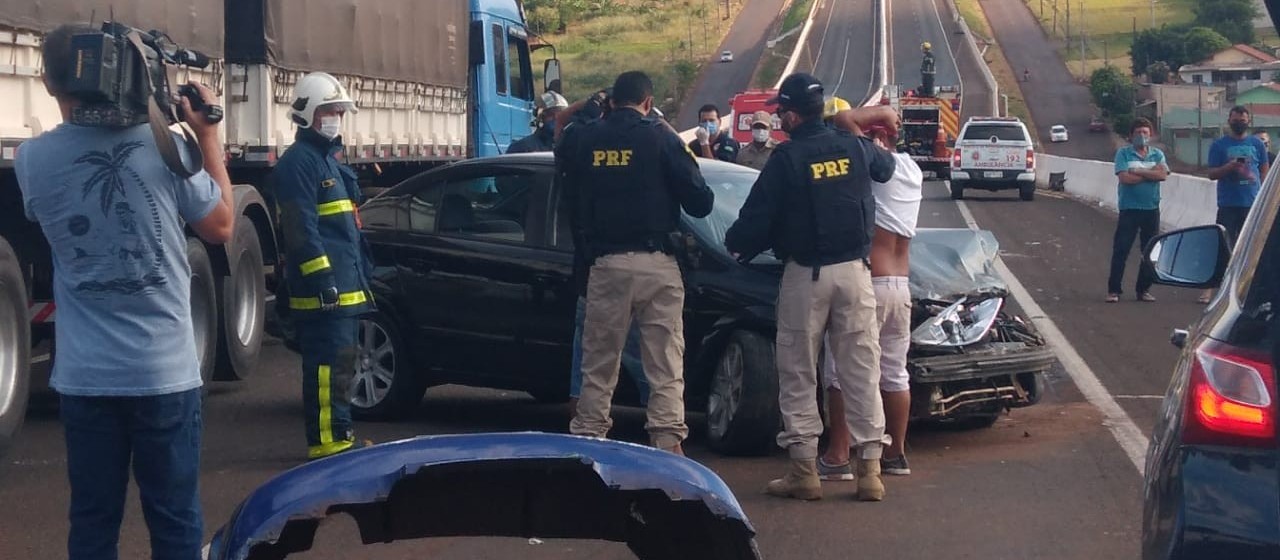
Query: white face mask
{"type": "Point", "coordinates": [330, 126]}
{"type": "Point", "coordinates": [760, 135]}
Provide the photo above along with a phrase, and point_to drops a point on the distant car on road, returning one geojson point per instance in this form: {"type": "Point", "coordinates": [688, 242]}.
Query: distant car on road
{"type": "Point", "coordinates": [1212, 484]}
{"type": "Point", "coordinates": [1058, 133]}
{"type": "Point", "coordinates": [1096, 124]}
{"type": "Point", "coordinates": [726, 56]}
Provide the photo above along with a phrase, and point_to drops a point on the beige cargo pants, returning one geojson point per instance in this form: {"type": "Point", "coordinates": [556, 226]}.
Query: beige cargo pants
{"type": "Point", "coordinates": [649, 286]}
{"type": "Point", "coordinates": [841, 304]}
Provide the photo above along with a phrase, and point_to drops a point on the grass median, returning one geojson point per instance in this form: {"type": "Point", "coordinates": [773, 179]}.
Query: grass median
{"type": "Point", "coordinates": [670, 41]}
{"type": "Point", "coordinates": [994, 57]}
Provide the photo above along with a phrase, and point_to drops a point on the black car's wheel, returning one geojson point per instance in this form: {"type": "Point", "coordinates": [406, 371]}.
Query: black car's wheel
{"type": "Point", "coordinates": [1027, 191]}
{"type": "Point", "coordinates": [241, 305]}
{"type": "Point", "coordinates": [385, 385]}
{"type": "Point", "coordinates": [204, 309]}
{"type": "Point", "coordinates": [742, 409]}
{"type": "Point", "coordinates": [957, 190]}
{"type": "Point", "coordinates": [15, 346]}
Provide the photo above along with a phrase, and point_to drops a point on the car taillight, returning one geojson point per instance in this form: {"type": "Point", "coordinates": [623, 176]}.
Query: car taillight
{"type": "Point", "coordinates": [955, 158]}
{"type": "Point", "coordinates": [1031, 159]}
{"type": "Point", "coordinates": [1232, 395]}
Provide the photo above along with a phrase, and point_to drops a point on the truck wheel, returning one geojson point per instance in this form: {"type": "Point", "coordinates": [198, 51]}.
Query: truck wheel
{"type": "Point", "coordinates": [15, 346]}
{"type": "Point", "coordinates": [204, 311]}
{"type": "Point", "coordinates": [957, 190]}
{"type": "Point", "coordinates": [1027, 191]}
{"type": "Point", "coordinates": [386, 386]}
{"type": "Point", "coordinates": [742, 410]}
{"type": "Point", "coordinates": [241, 305]}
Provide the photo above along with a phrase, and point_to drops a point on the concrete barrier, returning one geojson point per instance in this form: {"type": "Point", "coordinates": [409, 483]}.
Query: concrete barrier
{"type": "Point", "coordinates": [1185, 200]}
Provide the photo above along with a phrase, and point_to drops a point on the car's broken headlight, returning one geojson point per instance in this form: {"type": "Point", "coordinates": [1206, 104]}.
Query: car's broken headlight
{"type": "Point", "coordinates": [958, 324]}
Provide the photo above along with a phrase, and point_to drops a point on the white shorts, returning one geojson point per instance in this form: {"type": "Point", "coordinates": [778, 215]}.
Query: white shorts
{"type": "Point", "coordinates": [893, 310]}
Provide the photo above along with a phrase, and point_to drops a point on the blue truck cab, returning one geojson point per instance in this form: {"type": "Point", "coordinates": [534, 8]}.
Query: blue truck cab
{"type": "Point", "coordinates": [502, 76]}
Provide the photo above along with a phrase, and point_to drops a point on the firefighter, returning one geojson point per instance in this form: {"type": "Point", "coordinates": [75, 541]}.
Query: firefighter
{"type": "Point", "coordinates": [326, 271]}
{"type": "Point", "coordinates": [831, 107]}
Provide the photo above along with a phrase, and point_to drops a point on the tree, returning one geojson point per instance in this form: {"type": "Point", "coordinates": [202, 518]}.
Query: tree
{"type": "Point", "coordinates": [1113, 92]}
{"type": "Point", "coordinates": [1158, 72]}
{"type": "Point", "coordinates": [1232, 19]}
{"type": "Point", "coordinates": [1201, 42]}
{"type": "Point", "coordinates": [544, 19]}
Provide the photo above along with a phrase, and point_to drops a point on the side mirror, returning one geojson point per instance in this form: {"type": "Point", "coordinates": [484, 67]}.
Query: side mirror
{"type": "Point", "coordinates": [1189, 258]}
{"type": "Point", "coordinates": [551, 76]}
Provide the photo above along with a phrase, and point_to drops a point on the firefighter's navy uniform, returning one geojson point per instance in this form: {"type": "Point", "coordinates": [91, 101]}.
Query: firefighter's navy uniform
{"type": "Point", "coordinates": [627, 176]}
{"type": "Point", "coordinates": [317, 198]}
{"type": "Point", "coordinates": [813, 205]}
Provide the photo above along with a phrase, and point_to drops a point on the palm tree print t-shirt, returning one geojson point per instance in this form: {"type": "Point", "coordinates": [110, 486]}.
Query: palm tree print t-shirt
{"type": "Point", "coordinates": [113, 214]}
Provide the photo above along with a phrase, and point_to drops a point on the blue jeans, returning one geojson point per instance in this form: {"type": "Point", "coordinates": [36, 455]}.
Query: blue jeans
{"type": "Point", "coordinates": [630, 356]}
{"type": "Point", "coordinates": [160, 437]}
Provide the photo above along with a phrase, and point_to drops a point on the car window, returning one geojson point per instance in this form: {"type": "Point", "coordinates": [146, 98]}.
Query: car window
{"type": "Point", "coordinates": [1000, 131]}
{"type": "Point", "coordinates": [422, 209]}
{"type": "Point", "coordinates": [518, 63]}
{"type": "Point", "coordinates": [500, 207]}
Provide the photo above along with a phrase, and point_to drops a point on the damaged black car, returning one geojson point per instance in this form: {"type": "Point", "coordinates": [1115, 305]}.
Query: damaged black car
{"type": "Point", "coordinates": [474, 286]}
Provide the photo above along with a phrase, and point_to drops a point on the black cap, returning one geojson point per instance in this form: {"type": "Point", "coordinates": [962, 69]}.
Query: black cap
{"type": "Point", "coordinates": [798, 90]}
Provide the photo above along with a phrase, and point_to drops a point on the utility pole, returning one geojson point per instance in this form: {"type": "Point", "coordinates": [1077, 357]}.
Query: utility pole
{"type": "Point", "coordinates": [1153, 14]}
{"type": "Point", "coordinates": [1084, 72]}
{"type": "Point", "coordinates": [1068, 22]}
{"type": "Point", "coordinates": [1055, 17]}
{"type": "Point", "coordinates": [1041, 9]}
{"type": "Point", "coordinates": [1199, 123]}
{"type": "Point", "coordinates": [1106, 58]}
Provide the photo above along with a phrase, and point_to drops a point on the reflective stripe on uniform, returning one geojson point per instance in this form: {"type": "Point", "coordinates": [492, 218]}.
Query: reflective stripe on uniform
{"type": "Point", "coordinates": [336, 207]}
{"type": "Point", "coordinates": [326, 411]}
{"type": "Point", "coordinates": [327, 449]}
{"type": "Point", "coordinates": [314, 265]}
{"type": "Point", "coordinates": [344, 299]}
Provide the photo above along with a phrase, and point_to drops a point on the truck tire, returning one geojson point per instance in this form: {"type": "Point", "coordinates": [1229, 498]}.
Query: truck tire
{"type": "Point", "coordinates": [242, 305]}
{"type": "Point", "coordinates": [386, 385]}
{"type": "Point", "coordinates": [742, 409]}
{"type": "Point", "coordinates": [15, 347]}
{"type": "Point", "coordinates": [204, 311]}
{"type": "Point", "coordinates": [957, 190]}
{"type": "Point", "coordinates": [1027, 191]}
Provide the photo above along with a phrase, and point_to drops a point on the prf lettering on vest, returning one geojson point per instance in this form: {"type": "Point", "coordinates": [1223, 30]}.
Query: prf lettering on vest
{"type": "Point", "coordinates": [829, 169]}
{"type": "Point", "coordinates": [610, 158]}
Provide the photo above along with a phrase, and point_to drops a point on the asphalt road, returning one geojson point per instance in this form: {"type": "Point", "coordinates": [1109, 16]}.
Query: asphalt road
{"type": "Point", "coordinates": [976, 96]}
{"type": "Point", "coordinates": [1045, 482]}
{"type": "Point", "coordinates": [839, 49]}
{"type": "Point", "coordinates": [1052, 94]}
{"type": "Point", "coordinates": [912, 22]}
{"type": "Point", "coordinates": [718, 81]}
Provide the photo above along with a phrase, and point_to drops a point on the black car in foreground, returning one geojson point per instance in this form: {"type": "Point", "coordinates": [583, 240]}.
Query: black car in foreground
{"type": "Point", "coordinates": [473, 281]}
{"type": "Point", "coordinates": [1212, 484]}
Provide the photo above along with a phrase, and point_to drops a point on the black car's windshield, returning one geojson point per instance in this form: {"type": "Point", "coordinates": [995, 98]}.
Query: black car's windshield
{"type": "Point", "coordinates": [731, 185]}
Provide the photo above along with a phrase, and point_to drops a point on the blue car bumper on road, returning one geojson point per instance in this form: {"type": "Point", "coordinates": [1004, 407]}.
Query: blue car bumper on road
{"type": "Point", "coordinates": [661, 505]}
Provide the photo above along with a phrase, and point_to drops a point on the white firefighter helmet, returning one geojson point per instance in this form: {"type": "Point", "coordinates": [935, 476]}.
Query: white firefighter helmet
{"type": "Point", "coordinates": [553, 100]}
{"type": "Point", "coordinates": [314, 90]}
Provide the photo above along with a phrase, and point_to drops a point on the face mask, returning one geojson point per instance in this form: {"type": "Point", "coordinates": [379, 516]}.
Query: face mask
{"type": "Point", "coordinates": [711, 127]}
{"type": "Point", "coordinates": [1239, 127]}
{"type": "Point", "coordinates": [330, 126]}
{"type": "Point", "coordinates": [760, 135]}
{"type": "Point", "coordinates": [1139, 141]}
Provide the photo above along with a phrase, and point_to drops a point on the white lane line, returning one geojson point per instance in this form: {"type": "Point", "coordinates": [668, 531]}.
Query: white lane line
{"type": "Point", "coordinates": [40, 359]}
{"type": "Point", "coordinates": [1127, 434]}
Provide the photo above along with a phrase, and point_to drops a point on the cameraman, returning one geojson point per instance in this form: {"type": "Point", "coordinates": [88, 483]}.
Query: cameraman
{"type": "Point", "coordinates": [127, 374]}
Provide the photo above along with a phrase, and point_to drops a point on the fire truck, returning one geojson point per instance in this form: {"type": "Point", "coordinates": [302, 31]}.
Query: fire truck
{"type": "Point", "coordinates": [743, 106]}
{"type": "Point", "coordinates": [930, 119]}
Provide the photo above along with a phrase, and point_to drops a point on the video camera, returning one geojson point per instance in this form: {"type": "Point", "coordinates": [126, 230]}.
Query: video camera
{"type": "Point", "coordinates": [121, 75]}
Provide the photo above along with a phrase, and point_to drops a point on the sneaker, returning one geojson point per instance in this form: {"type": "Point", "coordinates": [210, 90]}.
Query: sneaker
{"type": "Point", "coordinates": [1146, 296]}
{"type": "Point", "coordinates": [895, 466]}
{"type": "Point", "coordinates": [834, 472]}
{"type": "Point", "coordinates": [1112, 298]}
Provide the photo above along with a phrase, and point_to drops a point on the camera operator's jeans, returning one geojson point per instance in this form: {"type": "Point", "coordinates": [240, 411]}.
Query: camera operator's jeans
{"type": "Point", "coordinates": [630, 356]}
{"type": "Point", "coordinates": [159, 436]}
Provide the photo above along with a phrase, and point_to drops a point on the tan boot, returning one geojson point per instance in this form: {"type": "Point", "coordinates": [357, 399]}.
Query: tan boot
{"type": "Point", "coordinates": [676, 449]}
{"type": "Point", "coordinates": [870, 486]}
{"type": "Point", "coordinates": [801, 481]}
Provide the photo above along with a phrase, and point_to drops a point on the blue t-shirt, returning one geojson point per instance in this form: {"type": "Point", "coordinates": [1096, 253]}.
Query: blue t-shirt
{"type": "Point", "coordinates": [113, 215]}
{"type": "Point", "coordinates": [1235, 191]}
{"type": "Point", "coordinates": [1144, 195]}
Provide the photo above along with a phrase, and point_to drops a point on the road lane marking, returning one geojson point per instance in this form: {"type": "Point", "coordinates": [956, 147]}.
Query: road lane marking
{"type": "Point", "coordinates": [1127, 434]}
{"type": "Point", "coordinates": [950, 52]}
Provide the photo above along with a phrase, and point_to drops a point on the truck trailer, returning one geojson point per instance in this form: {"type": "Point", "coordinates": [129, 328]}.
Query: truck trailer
{"type": "Point", "coordinates": [435, 82]}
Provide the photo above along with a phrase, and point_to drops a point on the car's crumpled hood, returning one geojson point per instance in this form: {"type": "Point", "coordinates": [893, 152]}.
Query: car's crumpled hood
{"type": "Point", "coordinates": [946, 263]}
{"type": "Point", "coordinates": [513, 484]}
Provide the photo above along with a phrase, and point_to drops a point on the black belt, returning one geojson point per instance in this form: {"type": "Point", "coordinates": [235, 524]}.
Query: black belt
{"type": "Point", "coordinates": [646, 246]}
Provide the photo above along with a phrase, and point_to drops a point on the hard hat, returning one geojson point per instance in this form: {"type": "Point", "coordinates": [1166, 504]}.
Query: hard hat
{"type": "Point", "coordinates": [833, 106]}
{"type": "Point", "coordinates": [926, 46]}
{"type": "Point", "coordinates": [553, 100]}
{"type": "Point", "coordinates": [314, 90]}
